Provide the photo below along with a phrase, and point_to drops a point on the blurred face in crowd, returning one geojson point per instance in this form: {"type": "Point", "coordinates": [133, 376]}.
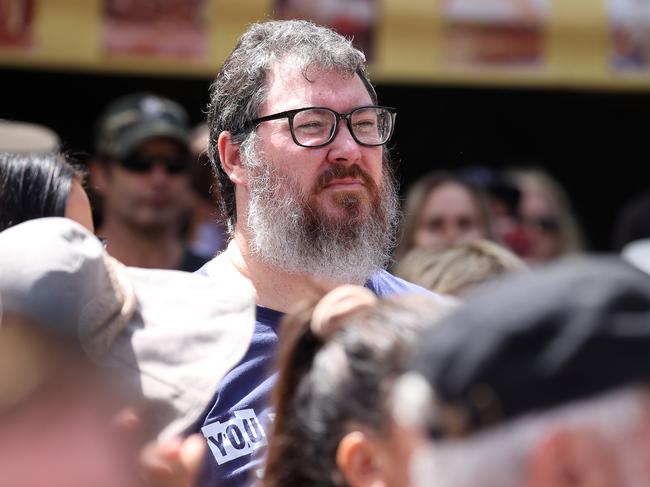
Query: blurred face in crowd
{"type": "Point", "coordinates": [540, 221]}
{"type": "Point", "coordinates": [149, 190]}
{"type": "Point", "coordinates": [77, 206]}
{"type": "Point", "coordinates": [56, 418]}
{"type": "Point", "coordinates": [450, 214]}
{"type": "Point", "coordinates": [309, 208]}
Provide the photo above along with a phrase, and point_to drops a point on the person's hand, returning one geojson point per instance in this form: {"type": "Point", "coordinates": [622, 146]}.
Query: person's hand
{"type": "Point", "coordinates": [173, 463]}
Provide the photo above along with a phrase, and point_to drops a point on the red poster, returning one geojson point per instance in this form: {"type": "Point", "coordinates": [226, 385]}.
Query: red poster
{"type": "Point", "coordinates": [157, 28]}
{"type": "Point", "coordinates": [17, 23]}
{"type": "Point", "coordinates": [355, 19]}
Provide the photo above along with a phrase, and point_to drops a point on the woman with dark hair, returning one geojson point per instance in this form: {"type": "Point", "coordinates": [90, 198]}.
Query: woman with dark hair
{"type": "Point", "coordinates": [37, 185]}
{"type": "Point", "coordinates": [337, 365]}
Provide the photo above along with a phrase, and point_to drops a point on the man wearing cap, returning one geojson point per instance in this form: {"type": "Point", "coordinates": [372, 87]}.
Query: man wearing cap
{"type": "Point", "coordinates": [541, 380]}
{"type": "Point", "coordinates": [298, 142]}
{"type": "Point", "coordinates": [142, 175]}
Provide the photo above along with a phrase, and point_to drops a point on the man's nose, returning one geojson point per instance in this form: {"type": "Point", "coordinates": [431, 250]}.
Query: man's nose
{"type": "Point", "coordinates": [159, 172]}
{"type": "Point", "coordinates": [343, 148]}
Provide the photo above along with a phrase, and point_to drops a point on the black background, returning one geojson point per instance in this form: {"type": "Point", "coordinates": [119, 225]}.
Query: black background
{"type": "Point", "coordinates": [594, 143]}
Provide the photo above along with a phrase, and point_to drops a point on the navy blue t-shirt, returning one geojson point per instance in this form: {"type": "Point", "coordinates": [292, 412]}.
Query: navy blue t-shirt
{"type": "Point", "coordinates": [236, 425]}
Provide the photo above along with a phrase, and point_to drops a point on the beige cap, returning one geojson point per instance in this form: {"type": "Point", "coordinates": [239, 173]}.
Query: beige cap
{"type": "Point", "coordinates": [27, 137]}
{"type": "Point", "coordinates": [170, 336]}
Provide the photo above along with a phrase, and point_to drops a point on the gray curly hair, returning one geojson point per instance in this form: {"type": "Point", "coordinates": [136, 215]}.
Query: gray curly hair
{"type": "Point", "coordinates": [240, 89]}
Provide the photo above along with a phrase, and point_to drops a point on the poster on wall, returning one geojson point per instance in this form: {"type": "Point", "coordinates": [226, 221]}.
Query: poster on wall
{"type": "Point", "coordinates": [630, 30]}
{"type": "Point", "coordinates": [17, 24]}
{"type": "Point", "coordinates": [155, 28]}
{"type": "Point", "coordinates": [494, 32]}
{"type": "Point", "coordinates": [355, 19]}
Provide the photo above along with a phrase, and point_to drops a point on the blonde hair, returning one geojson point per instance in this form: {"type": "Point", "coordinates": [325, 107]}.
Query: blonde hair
{"type": "Point", "coordinates": [458, 268]}
{"type": "Point", "coordinates": [569, 234]}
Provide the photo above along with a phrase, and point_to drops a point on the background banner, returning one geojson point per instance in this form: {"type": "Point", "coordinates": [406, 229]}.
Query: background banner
{"type": "Point", "coordinates": [575, 44]}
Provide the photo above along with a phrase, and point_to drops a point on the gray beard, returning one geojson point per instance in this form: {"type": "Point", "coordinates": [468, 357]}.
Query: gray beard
{"type": "Point", "coordinates": [287, 232]}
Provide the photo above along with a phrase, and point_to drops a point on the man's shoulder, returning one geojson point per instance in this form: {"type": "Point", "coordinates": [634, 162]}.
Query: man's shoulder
{"type": "Point", "coordinates": [191, 261]}
{"type": "Point", "coordinates": [212, 267]}
{"type": "Point", "coordinates": [222, 268]}
{"type": "Point", "coordinates": [383, 283]}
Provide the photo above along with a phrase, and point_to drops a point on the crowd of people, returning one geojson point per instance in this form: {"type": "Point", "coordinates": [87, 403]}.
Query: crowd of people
{"type": "Point", "coordinates": [213, 306]}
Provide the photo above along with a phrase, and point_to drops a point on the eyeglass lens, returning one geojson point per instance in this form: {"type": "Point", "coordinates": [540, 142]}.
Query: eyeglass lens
{"type": "Point", "coordinates": [315, 126]}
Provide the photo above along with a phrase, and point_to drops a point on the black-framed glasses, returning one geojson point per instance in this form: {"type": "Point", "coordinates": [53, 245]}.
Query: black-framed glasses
{"type": "Point", "coordinates": [371, 125]}
{"type": "Point", "coordinates": [142, 163]}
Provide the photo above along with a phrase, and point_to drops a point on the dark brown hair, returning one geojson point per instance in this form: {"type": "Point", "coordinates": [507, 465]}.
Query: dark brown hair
{"type": "Point", "coordinates": [35, 185]}
{"type": "Point", "coordinates": [329, 385]}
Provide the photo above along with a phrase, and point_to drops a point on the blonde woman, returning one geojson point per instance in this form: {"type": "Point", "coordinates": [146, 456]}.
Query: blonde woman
{"type": "Point", "coordinates": [457, 269]}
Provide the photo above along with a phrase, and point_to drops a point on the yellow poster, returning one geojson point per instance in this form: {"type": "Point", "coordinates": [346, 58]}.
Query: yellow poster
{"type": "Point", "coordinates": [557, 43]}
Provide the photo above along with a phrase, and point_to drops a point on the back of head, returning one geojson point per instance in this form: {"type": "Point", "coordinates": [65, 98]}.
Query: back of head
{"type": "Point", "coordinates": [33, 185]}
{"type": "Point", "coordinates": [239, 89]}
{"type": "Point", "coordinates": [531, 344]}
{"type": "Point", "coordinates": [455, 270]}
{"type": "Point", "coordinates": [335, 376]}
{"type": "Point", "coordinates": [551, 326]}
{"type": "Point", "coordinates": [131, 119]}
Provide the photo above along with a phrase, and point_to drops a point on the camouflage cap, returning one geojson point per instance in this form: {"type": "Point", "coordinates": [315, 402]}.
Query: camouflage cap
{"type": "Point", "coordinates": [132, 119]}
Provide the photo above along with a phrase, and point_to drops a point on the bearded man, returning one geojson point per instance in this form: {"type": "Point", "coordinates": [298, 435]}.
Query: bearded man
{"type": "Point", "coordinates": [297, 140]}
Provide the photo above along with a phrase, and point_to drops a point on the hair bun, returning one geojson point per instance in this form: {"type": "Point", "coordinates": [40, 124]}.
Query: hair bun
{"type": "Point", "coordinates": [337, 304]}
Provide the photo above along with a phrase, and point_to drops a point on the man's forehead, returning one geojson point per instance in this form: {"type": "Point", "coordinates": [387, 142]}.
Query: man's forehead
{"type": "Point", "coordinates": [291, 83]}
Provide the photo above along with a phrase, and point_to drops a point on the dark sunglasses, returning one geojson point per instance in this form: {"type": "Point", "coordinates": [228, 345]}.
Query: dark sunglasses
{"type": "Point", "coordinates": [142, 163]}
{"type": "Point", "coordinates": [543, 224]}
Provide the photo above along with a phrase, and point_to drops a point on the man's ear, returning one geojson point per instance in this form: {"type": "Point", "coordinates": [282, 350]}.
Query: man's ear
{"type": "Point", "coordinates": [229, 155]}
{"type": "Point", "coordinates": [357, 460]}
{"type": "Point", "coordinates": [99, 176]}
{"type": "Point", "coordinates": [573, 458]}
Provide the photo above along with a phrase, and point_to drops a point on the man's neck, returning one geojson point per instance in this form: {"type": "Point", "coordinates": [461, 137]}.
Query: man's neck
{"type": "Point", "coordinates": [275, 288]}
{"type": "Point", "coordinates": [155, 250]}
